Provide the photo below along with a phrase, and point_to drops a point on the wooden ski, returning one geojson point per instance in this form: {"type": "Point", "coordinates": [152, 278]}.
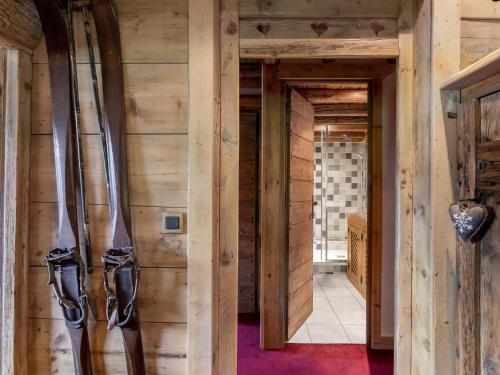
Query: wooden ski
{"type": "Point", "coordinates": [65, 259]}
{"type": "Point", "coordinates": [120, 262]}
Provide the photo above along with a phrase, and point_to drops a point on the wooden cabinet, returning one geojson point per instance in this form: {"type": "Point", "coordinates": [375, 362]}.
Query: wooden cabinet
{"type": "Point", "coordinates": [357, 251]}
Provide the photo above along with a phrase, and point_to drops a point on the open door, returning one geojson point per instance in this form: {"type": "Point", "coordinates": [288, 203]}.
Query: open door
{"type": "Point", "coordinates": [300, 212]}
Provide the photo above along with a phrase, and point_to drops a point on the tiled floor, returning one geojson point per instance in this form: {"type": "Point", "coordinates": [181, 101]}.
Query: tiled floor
{"type": "Point", "coordinates": [339, 313]}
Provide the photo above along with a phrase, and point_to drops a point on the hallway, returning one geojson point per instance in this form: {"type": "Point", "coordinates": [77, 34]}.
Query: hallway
{"type": "Point", "coordinates": [299, 359]}
{"type": "Point", "coordinates": [339, 313]}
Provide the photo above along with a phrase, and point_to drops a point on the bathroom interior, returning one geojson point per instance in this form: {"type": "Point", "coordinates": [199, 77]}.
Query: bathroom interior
{"type": "Point", "coordinates": [339, 197]}
{"type": "Point", "coordinates": [339, 224]}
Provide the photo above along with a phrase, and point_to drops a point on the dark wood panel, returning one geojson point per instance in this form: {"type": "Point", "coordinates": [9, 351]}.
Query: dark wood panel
{"type": "Point", "coordinates": [300, 275]}
{"type": "Point", "coordinates": [300, 306]}
{"type": "Point", "coordinates": [301, 191]}
{"type": "Point", "coordinates": [490, 250]}
{"type": "Point", "coordinates": [247, 244]}
{"type": "Point", "coordinates": [300, 233]}
{"type": "Point", "coordinates": [300, 212]}
{"type": "Point", "coordinates": [301, 148]}
{"type": "Point", "coordinates": [301, 169]}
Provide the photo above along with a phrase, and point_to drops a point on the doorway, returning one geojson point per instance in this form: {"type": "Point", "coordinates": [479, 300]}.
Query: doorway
{"type": "Point", "coordinates": [342, 133]}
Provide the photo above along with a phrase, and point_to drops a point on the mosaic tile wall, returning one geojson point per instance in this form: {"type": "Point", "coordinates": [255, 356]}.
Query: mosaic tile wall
{"type": "Point", "coordinates": [340, 175]}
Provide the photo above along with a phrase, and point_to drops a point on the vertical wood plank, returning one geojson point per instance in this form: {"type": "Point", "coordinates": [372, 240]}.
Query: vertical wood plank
{"type": "Point", "coordinates": [467, 255]}
{"type": "Point", "coordinates": [437, 26]}
{"type": "Point", "coordinates": [490, 251]}
{"type": "Point", "coordinates": [229, 186]}
{"type": "Point", "coordinates": [273, 209]}
{"type": "Point", "coordinates": [375, 197]}
{"type": "Point", "coordinates": [203, 167]}
{"type": "Point", "coordinates": [16, 212]}
{"type": "Point", "coordinates": [422, 345]}
{"type": "Point", "coordinates": [404, 195]}
{"type": "Point", "coordinates": [445, 47]}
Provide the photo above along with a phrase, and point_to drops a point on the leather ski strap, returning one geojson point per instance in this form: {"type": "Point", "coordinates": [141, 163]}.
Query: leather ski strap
{"type": "Point", "coordinates": [120, 262]}
{"type": "Point", "coordinates": [65, 259]}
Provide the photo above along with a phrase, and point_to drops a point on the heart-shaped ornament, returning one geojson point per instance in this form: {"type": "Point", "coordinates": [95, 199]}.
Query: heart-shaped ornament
{"type": "Point", "coordinates": [264, 28]}
{"type": "Point", "coordinates": [468, 218]}
{"type": "Point", "coordinates": [319, 28]}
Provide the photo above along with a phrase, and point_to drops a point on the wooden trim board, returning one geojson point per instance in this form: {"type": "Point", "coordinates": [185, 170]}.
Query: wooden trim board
{"type": "Point", "coordinates": [17, 137]}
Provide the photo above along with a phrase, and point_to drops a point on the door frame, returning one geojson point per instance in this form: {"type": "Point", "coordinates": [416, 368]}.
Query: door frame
{"type": "Point", "coordinates": [212, 305]}
{"type": "Point", "coordinates": [275, 189]}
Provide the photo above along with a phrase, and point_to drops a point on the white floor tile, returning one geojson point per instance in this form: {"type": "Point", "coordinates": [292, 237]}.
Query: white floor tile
{"type": "Point", "coordinates": [332, 281]}
{"type": "Point", "coordinates": [356, 333]}
{"type": "Point", "coordinates": [318, 291]}
{"type": "Point", "coordinates": [335, 291]}
{"type": "Point", "coordinates": [351, 315]}
{"type": "Point", "coordinates": [322, 312]}
{"type": "Point", "coordinates": [327, 334]}
{"type": "Point", "coordinates": [301, 336]}
{"type": "Point", "coordinates": [345, 303]}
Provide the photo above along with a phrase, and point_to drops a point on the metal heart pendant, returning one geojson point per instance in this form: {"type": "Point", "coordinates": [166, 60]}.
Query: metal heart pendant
{"type": "Point", "coordinates": [468, 218]}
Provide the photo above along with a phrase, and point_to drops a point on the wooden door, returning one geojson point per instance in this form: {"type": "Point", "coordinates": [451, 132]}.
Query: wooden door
{"type": "Point", "coordinates": [478, 156]}
{"type": "Point", "coordinates": [300, 212]}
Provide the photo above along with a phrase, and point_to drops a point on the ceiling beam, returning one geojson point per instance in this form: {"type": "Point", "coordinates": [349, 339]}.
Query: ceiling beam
{"type": "Point", "coordinates": [332, 120]}
{"type": "Point", "coordinates": [341, 128]}
{"type": "Point", "coordinates": [346, 85]}
{"type": "Point", "coordinates": [341, 109]}
{"type": "Point", "coordinates": [325, 96]}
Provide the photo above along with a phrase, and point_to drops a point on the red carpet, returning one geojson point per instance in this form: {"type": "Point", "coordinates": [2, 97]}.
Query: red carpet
{"type": "Point", "coordinates": [309, 359]}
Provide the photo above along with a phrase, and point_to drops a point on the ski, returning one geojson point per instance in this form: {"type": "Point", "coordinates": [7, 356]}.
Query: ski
{"type": "Point", "coordinates": [83, 223]}
{"type": "Point", "coordinates": [121, 270]}
{"type": "Point", "coordinates": [65, 259]}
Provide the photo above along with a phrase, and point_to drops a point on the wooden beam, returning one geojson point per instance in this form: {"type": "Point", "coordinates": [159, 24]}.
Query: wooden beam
{"type": "Point", "coordinates": [341, 137]}
{"type": "Point", "coordinates": [319, 48]}
{"type": "Point", "coordinates": [437, 56]}
{"type": "Point", "coordinates": [475, 73]}
{"type": "Point", "coordinates": [404, 194]}
{"type": "Point", "coordinates": [341, 109]}
{"type": "Point", "coordinates": [341, 69]}
{"type": "Point", "coordinates": [484, 10]}
{"type": "Point", "coordinates": [327, 85]}
{"type": "Point", "coordinates": [20, 25]}
{"type": "Point", "coordinates": [319, 8]}
{"type": "Point", "coordinates": [326, 96]}
{"type": "Point", "coordinates": [18, 74]}
{"type": "Point", "coordinates": [204, 149]}
{"type": "Point", "coordinates": [338, 120]}
{"type": "Point", "coordinates": [273, 212]}
{"type": "Point", "coordinates": [228, 183]}
{"type": "Point", "coordinates": [310, 28]}
{"type": "Point", "coordinates": [251, 102]}
{"type": "Point", "coordinates": [341, 128]}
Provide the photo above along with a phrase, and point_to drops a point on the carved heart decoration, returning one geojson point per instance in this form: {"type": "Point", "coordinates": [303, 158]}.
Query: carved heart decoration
{"type": "Point", "coordinates": [319, 28]}
{"type": "Point", "coordinates": [264, 28]}
{"type": "Point", "coordinates": [468, 218]}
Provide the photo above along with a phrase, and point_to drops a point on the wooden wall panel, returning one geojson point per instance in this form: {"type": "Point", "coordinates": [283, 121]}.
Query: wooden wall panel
{"type": "Point", "coordinates": [157, 170]}
{"type": "Point", "coordinates": [154, 37]}
{"type": "Point", "coordinates": [152, 31]}
{"type": "Point", "coordinates": [479, 30]}
{"type": "Point", "coordinates": [248, 205]}
{"type": "Point", "coordinates": [307, 28]}
{"type": "Point", "coordinates": [155, 99]}
{"type": "Point", "coordinates": [319, 8]}
{"type": "Point", "coordinates": [49, 348]}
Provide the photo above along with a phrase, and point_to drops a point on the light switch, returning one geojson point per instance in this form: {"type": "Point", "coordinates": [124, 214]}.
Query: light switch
{"type": "Point", "coordinates": [172, 223]}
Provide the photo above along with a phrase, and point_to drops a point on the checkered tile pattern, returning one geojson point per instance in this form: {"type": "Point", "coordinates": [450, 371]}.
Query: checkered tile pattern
{"type": "Point", "coordinates": [340, 177]}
